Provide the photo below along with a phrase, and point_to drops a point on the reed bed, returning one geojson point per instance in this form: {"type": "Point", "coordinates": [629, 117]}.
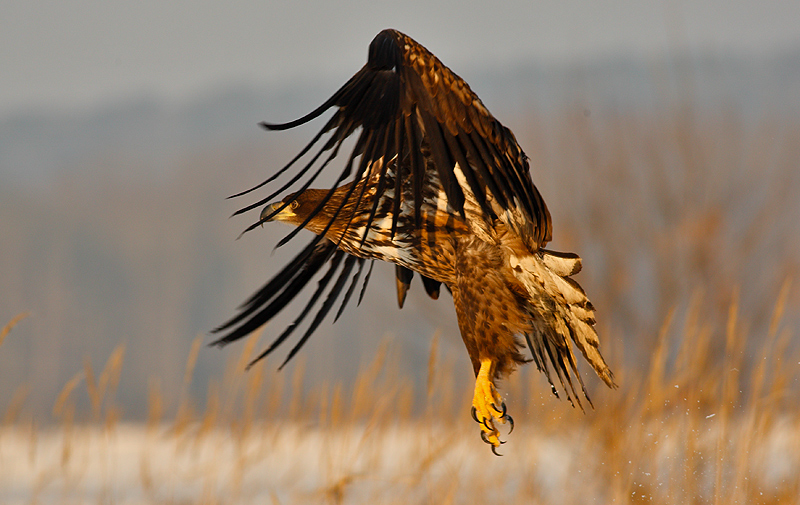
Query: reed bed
{"type": "Point", "coordinates": [692, 425]}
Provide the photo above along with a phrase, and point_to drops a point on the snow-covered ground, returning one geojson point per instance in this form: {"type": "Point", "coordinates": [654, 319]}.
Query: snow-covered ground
{"type": "Point", "coordinates": [404, 463]}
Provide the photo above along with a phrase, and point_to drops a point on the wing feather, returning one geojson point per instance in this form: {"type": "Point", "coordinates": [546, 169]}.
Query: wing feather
{"type": "Point", "coordinates": [351, 289]}
{"type": "Point", "coordinates": [276, 294]}
{"type": "Point", "coordinates": [387, 160]}
{"type": "Point", "coordinates": [323, 283]}
{"type": "Point", "coordinates": [414, 115]}
{"type": "Point", "coordinates": [417, 165]}
{"type": "Point", "coordinates": [329, 301]}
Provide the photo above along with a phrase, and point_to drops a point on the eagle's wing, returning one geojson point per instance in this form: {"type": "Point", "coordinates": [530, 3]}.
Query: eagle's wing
{"type": "Point", "coordinates": [263, 305]}
{"type": "Point", "coordinates": [402, 99]}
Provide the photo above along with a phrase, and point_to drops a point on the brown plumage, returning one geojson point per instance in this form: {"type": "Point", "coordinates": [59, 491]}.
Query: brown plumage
{"type": "Point", "coordinates": [439, 187]}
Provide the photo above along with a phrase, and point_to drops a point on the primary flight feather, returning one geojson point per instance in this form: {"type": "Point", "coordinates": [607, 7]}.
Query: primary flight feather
{"type": "Point", "coordinates": [436, 185]}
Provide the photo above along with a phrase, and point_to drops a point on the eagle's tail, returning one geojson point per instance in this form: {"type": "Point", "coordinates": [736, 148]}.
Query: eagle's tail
{"type": "Point", "coordinates": [560, 312]}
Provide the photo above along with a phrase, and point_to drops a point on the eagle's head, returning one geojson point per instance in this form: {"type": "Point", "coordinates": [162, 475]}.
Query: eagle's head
{"type": "Point", "coordinates": [296, 207]}
{"type": "Point", "coordinates": [273, 211]}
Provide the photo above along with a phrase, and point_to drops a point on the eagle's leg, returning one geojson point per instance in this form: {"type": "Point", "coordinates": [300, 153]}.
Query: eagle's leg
{"type": "Point", "coordinates": [487, 405]}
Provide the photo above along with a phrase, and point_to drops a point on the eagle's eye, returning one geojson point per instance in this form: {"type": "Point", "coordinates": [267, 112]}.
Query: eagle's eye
{"type": "Point", "coordinates": [294, 204]}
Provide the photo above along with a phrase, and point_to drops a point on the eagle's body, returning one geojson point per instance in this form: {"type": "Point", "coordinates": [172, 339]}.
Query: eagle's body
{"type": "Point", "coordinates": [441, 188]}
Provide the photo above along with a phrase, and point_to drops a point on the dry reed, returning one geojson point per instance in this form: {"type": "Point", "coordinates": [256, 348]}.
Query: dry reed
{"type": "Point", "coordinates": [686, 428]}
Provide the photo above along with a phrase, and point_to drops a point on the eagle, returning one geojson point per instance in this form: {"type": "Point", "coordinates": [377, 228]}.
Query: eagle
{"type": "Point", "coordinates": [439, 187]}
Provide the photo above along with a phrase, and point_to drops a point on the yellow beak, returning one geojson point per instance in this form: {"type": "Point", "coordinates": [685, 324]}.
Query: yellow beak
{"type": "Point", "coordinates": [268, 213]}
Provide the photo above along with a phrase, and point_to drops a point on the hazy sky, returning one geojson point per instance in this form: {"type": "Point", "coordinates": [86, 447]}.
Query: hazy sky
{"type": "Point", "coordinates": [83, 52]}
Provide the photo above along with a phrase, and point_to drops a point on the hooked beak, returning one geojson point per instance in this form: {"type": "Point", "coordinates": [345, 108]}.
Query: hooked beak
{"type": "Point", "coordinates": [269, 212]}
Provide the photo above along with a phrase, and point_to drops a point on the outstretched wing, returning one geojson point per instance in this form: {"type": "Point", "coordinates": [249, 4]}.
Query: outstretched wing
{"type": "Point", "coordinates": [404, 98]}
{"type": "Point", "coordinates": [265, 304]}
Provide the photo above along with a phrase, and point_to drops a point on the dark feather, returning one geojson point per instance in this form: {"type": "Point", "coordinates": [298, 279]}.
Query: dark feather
{"type": "Point", "coordinates": [277, 293]}
{"type": "Point", "coordinates": [323, 283]}
{"type": "Point", "coordinates": [329, 301]}
{"type": "Point", "coordinates": [366, 281]}
{"type": "Point", "coordinates": [432, 287]}
{"type": "Point", "coordinates": [350, 290]}
{"type": "Point", "coordinates": [403, 276]}
{"type": "Point", "coordinates": [417, 116]}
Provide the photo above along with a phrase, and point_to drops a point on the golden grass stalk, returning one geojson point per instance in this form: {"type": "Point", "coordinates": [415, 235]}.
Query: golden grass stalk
{"type": "Point", "coordinates": [92, 388]}
{"type": "Point", "coordinates": [64, 395]}
{"type": "Point", "coordinates": [155, 404]}
{"type": "Point", "coordinates": [14, 321]}
{"type": "Point", "coordinates": [697, 423]}
{"type": "Point", "coordinates": [184, 415]}
{"type": "Point", "coordinates": [16, 404]}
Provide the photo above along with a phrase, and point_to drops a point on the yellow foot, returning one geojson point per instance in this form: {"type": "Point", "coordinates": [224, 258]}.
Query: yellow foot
{"type": "Point", "coordinates": [487, 406]}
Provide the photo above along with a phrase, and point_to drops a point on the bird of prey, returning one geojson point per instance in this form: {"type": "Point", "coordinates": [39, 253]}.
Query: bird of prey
{"type": "Point", "coordinates": [437, 186]}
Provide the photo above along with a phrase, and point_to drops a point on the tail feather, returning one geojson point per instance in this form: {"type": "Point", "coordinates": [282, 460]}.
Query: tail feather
{"type": "Point", "coordinates": [561, 263]}
{"type": "Point", "coordinates": [560, 313]}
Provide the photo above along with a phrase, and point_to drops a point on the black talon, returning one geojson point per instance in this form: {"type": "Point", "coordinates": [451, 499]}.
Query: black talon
{"type": "Point", "coordinates": [494, 447]}
{"type": "Point", "coordinates": [502, 406]}
{"type": "Point", "coordinates": [487, 425]}
{"type": "Point", "coordinates": [511, 422]}
{"type": "Point", "coordinates": [474, 415]}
